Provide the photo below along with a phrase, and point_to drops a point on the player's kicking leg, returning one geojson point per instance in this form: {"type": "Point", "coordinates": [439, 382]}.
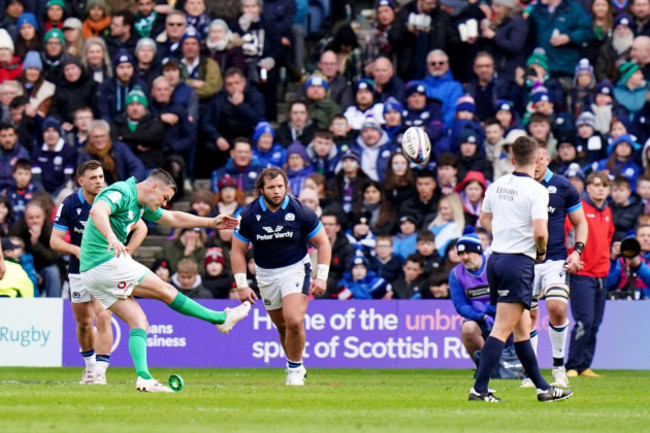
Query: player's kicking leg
{"type": "Point", "coordinates": [289, 321]}
{"type": "Point", "coordinates": [84, 315]}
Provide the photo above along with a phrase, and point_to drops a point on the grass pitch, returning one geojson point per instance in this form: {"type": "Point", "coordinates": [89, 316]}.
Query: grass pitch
{"type": "Point", "coordinates": [333, 401]}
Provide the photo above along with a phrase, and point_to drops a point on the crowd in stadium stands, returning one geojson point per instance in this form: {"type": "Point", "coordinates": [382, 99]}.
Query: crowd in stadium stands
{"type": "Point", "coordinates": [194, 86]}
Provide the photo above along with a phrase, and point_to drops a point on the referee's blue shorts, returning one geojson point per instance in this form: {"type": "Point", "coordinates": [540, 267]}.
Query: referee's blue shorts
{"type": "Point", "coordinates": [510, 277]}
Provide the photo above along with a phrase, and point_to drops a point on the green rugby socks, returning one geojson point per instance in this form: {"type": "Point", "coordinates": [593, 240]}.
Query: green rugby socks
{"type": "Point", "coordinates": [138, 350]}
{"type": "Point", "coordinates": [187, 306]}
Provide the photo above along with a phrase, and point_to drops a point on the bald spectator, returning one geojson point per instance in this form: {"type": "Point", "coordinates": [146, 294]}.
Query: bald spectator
{"type": "Point", "coordinates": [387, 84]}
{"type": "Point", "coordinates": [339, 89]}
{"type": "Point", "coordinates": [561, 27]}
{"type": "Point", "coordinates": [441, 84]}
{"type": "Point", "coordinates": [640, 10]}
{"type": "Point", "coordinates": [615, 49]}
{"type": "Point", "coordinates": [640, 54]}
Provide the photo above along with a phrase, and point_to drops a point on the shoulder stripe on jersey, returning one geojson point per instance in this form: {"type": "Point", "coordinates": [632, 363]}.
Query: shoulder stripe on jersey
{"type": "Point", "coordinates": [315, 231]}
{"type": "Point", "coordinates": [574, 208]}
{"type": "Point", "coordinates": [60, 227]}
{"type": "Point", "coordinates": [549, 175]}
{"type": "Point", "coordinates": [240, 237]}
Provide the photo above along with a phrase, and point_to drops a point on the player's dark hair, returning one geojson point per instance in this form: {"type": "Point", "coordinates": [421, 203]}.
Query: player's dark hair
{"type": "Point", "coordinates": [161, 176]}
{"type": "Point", "coordinates": [22, 164]}
{"type": "Point", "coordinates": [270, 174]}
{"type": "Point", "coordinates": [91, 164]}
{"type": "Point", "coordinates": [524, 150]}
{"type": "Point", "coordinates": [4, 126]}
{"type": "Point", "coordinates": [425, 235]}
{"type": "Point", "coordinates": [415, 258]}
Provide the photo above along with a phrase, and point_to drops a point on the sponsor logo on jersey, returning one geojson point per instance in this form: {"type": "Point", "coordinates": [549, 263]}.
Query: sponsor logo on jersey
{"type": "Point", "coordinates": [258, 217]}
{"type": "Point", "coordinates": [551, 209]}
{"type": "Point", "coordinates": [78, 211]}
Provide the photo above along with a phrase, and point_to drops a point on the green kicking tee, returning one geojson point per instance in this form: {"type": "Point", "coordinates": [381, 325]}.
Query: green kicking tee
{"type": "Point", "coordinates": [122, 197]}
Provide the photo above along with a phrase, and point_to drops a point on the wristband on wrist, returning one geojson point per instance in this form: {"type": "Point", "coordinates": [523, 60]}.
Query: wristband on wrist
{"type": "Point", "coordinates": [323, 271]}
{"type": "Point", "coordinates": [579, 247]}
{"type": "Point", "coordinates": [240, 280]}
{"type": "Point", "coordinates": [541, 253]}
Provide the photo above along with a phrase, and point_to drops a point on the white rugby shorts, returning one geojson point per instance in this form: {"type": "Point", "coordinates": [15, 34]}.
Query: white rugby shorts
{"type": "Point", "coordinates": [548, 274]}
{"type": "Point", "coordinates": [114, 279]}
{"type": "Point", "coordinates": [78, 292]}
{"type": "Point", "coordinates": [277, 283]}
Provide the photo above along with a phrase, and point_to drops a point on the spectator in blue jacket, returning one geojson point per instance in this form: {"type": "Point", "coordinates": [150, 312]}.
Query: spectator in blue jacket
{"type": "Point", "coordinates": [10, 152]}
{"type": "Point", "coordinates": [440, 84]}
{"type": "Point", "coordinates": [241, 166]}
{"type": "Point", "coordinates": [298, 167]}
{"type": "Point", "coordinates": [423, 111]}
{"type": "Point", "coordinates": [54, 161]}
{"type": "Point", "coordinates": [375, 148]}
{"type": "Point", "coordinates": [621, 160]}
{"type": "Point", "coordinates": [561, 27]}
{"type": "Point", "coordinates": [361, 283]}
{"type": "Point", "coordinates": [323, 153]}
{"type": "Point", "coordinates": [267, 152]}
{"type": "Point", "coordinates": [111, 94]}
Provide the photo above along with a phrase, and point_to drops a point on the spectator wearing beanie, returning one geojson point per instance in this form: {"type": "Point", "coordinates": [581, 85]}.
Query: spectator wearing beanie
{"type": "Point", "coordinates": [54, 14]}
{"type": "Point", "coordinates": [77, 89]}
{"type": "Point", "coordinates": [422, 111]}
{"type": "Point", "coordinates": [375, 149]}
{"type": "Point", "coordinates": [54, 161]}
{"type": "Point", "coordinates": [620, 161]}
{"type": "Point", "coordinates": [584, 85]}
{"type": "Point", "coordinates": [265, 149]}
{"type": "Point", "coordinates": [471, 156]}
{"type": "Point", "coordinates": [319, 105]}
{"type": "Point", "coordinates": [10, 65]}
{"type": "Point", "coordinates": [98, 21]}
{"type": "Point", "coordinates": [589, 142]}
{"type": "Point", "coordinates": [161, 268]}
{"type": "Point", "coordinates": [365, 95]}
{"type": "Point", "coordinates": [339, 90]}
{"type": "Point", "coordinates": [112, 93]}
{"type": "Point", "coordinates": [32, 42]}
{"type": "Point", "coordinates": [35, 86]}
{"type": "Point", "coordinates": [630, 91]}
{"type": "Point", "coordinates": [53, 55]}
{"type": "Point", "coordinates": [199, 71]}
{"type": "Point", "coordinates": [147, 67]}
{"type": "Point", "coordinates": [143, 132]}
{"type": "Point", "coordinates": [217, 278]}
{"type": "Point", "coordinates": [298, 167]}
{"type": "Point", "coordinates": [615, 50]}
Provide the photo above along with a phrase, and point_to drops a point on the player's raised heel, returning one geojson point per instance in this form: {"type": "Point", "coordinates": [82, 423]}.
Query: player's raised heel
{"type": "Point", "coordinates": [553, 394]}
{"type": "Point", "coordinates": [150, 385]}
{"type": "Point", "coordinates": [99, 378]}
{"type": "Point", "coordinates": [485, 396]}
{"type": "Point", "coordinates": [296, 376]}
{"type": "Point", "coordinates": [560, 377]}
{"type": "Point", "coordinates": [87, 377]}
{"type": "Point", "coordinates": [234, 315]}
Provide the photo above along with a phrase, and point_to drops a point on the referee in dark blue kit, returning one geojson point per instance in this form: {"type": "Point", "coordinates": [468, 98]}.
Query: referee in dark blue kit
{"type": "Point", "coordinates": [515, 211]}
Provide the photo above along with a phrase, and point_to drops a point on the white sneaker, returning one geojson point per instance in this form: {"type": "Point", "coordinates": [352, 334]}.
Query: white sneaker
{"type": "Point", "coordinates": [99, 378]}
{"type": "Point", "coordinates": [234, 315]}
{"type": "Point", "coordinates": [527, 383]}
{"type": "Point", "coordinates": [87, 377]}
{"type": "Point", "coordinates": [150, 385]}
{"type": "Point", "coordinates": [296, 376]}
{"type": "Point", "coordinates": [559, 374]}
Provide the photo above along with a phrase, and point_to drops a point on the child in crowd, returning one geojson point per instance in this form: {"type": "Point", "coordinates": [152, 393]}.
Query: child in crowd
{"type": "Point", "coordinates": [24, 189]}
{"type": "Point", "coordinates": [342, 133]}
{"type": "Point", "coordinates": [188, 281]}
{"type": "Point", "coordinates": [54, 15]}
{"type": "Point", "coordinates": [621, 160]}
{"type": "Point", "coordinates": [471, 156]}
{"type": "Point", "coordinates": [486, 240]}
{"type": "Point", "coordinates": [471, 192]}
{"type": "Point", "coordinates": [161, 268]}
{"type": "Point", "coordinates": [202, 204]}
{"type": "Point", "coordinates": [297, 167]}
{"type": "Point", "coordinates": [412, 284]}
{"type": "Point", "coordinates": [386, 264]}
{"type": "Point", "coordinates": [603, 106]}
{"type": "Point", "coordinates": [505, 114]}
{"type": "Point", "coordinates": [360, 236]}
{"type": "Point", "coordinates": [393, 125]}
{"type": "Point", "coordinates": [405, 240]}
{"type": "Point", "coordinates": [494, 133]}
{"type": "Point", "coordinates": [361, 283]}
{"type": "Point", "coordinates": [439, 285]}
{"type": "Point", "coordinates": [228, 197]}
{"type": "Point", "coordinates": [217, 277]}
{"type": "Point", "coordinates": [268, 153]}
{"type": "Point", "coordinates": [323, 153]}
{"type": "Point", "coordinates": [447, 172]}
{"type": "Point", "coordinates": [426, 247]}
{"type": "Point", "coordinates": [643, 190]}
{"type": "Point", "coordinates": [626, 208]}
{"type": "Point", "coordinates": [584, 84]}
{"type": "Point", "coordinates": [589, 141]}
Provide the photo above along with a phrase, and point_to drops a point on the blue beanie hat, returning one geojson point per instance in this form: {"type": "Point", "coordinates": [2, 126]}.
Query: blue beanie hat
{"type": "Point", "coordinates": [389, 3]}
{"type": "Point", "coordinates": [33, 60]}
{"type": "Point", "coordinates": [263, 128]}
{"type": "Point", "coordinates": [27, 18]}
{"type": "Point", "coordinates": [365, 84]}
{"type": "Point", "coordinates": [298, 149]}
{"type": "Point", "coordinates": [359, 260]}
{"type": "Point", "coordinates": [541, 96]}
{"type": "Point", "coordinates": [469, 242]}
{"type": "Point", "coordinates": [574, 170]}
{"type": "Point", "coordinates": [51, 122]}
{"type": "Point", "coordinates": [504, 105]}
{"type": "Point", "coordinates": [316, 80]}
{"type": "Point", "coordinates": [122, 56]}
{"type": "Point", "coordinates": [466, 103]}
{"type": "Point", "coordinates": [625, 138]}
{"type": "Point", "coordinates": [190, 33]}
{"type": "Point", "coordinates": [416, 86]}
{"type": "Point", "coordinates": [393, 104]}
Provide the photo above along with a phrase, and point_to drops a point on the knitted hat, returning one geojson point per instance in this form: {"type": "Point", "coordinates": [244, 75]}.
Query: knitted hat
{"type": "Point", "coordinates": [541, 96]}
{"type": "Point", "coordinates": [27, 18]}
{"type": "Point", "coordinates": [538, 57]}
{"type": "Point", "coordinates": [137, 95]}
{"type": "Point", "coordinates": [623, 20]}
{"type": "Point", "coordinates": [566, 135]}
{"type": "Point", "coordinates": [416, 86]}
{"type": "Point", "coordinates": [365, 84]}
{"type": "Point", "coordinates": [51, 122]}
{"type": "Point", "coordinates": [99, 3]}
{"type": "Point", "coordinates": [122, 56]}
{"type": "Point", "coordinates": [351, 154]}
{"type": "Point", "coordinates": [160, 263]}
{"type": "Point", "coordinates": [389, 3]}
{"type": "Point", "coordinates": [408, 217]}
{"type": "Point", "coordinates": [371, 122]}
{"type": "Point", "coordinates": [55, 3]}
{"type": "Point", "coordinates": [510, 4]}
{"type": "Point", "coordinates": [6, 41]}
{"type": "Point", "coordinates": [72, 23]}
{"type": "Point", "coordinates": [584, 66]}
{"type": "Point", "coordinates": [171, 61]}
{"type": "Point", "coordinates": [469, 243]}
{"type": "Point", "coordinates": [626, 70]}
{"type": "Point", "coordinates": [33, 60]}
{"type": "Point", "coordinates": [359, 260]}
{"type": "Point", "coordinates": [72, 60]}
{"type": "Point", "coordinates": [466, 103]}
{"type": "Point", "coordinates": [296, 148]}
{"type": "Point", "coordinates": [586, 118]}
{"type": "Point", "coordinates": [504, 105]}
{"type": "Point", "coordinates": [574, 170]}
{"type": "Point", "coordinates": [605, 87]}
{"type": "Point", "coordinates": [392, 104]}
{"type": "Point", "coordinates": [227, 182]}
{"type": "Point", "coordinates": [316, 80]}
{"type": "Point", "coordinates": [361, 218]}
{"type": "Point", "coordinates": [8, 245]}
{"type": "Point", "coordinates": [54, 33]}
{"type": "Point", "coordinates": [263, 128]}
{"type": "Point", "coordinates": [625, 138]}
{"type": "Point", "coordinates": [146, 42]}
{"type": "Point", "coordinates": [190, 33]}
{"type": "Point", "coordinates": [213, 255]}
{"type": "Point", "coordinates": [468, 135]}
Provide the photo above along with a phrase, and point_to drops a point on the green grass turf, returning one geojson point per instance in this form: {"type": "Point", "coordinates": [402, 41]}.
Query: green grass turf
{"type": "Point", "coordinates": [334, 401]}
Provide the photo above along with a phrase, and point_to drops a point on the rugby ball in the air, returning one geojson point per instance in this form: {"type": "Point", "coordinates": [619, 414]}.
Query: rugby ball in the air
{"type": "Point", "coordinates": [416, 145]}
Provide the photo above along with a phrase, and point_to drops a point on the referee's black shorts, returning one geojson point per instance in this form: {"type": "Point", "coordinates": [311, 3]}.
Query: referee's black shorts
{"type": "Point", "coordinates": [510, 277]}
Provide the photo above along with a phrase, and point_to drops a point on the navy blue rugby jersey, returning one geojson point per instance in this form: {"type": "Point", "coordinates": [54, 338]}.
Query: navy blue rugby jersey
{"type": "Point", "coordinates": [279, 238]}
{"type": "Point", "coordinates": [72, 216]}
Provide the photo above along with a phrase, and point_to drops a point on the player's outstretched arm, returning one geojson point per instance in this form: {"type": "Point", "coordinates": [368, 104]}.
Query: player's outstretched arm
{"type": "Point", "coordinates": [100, 213]}
{"type": "Point", "coordinates": [58, 244]}
{"type": "Point", "coordinates": [322, 243]}
{"type": "Point", "coordinates": [238, 265]}
{"type": "Point", "coordinates": [139, 234]}
{"type": "Point", "coordinates": [186, 220]}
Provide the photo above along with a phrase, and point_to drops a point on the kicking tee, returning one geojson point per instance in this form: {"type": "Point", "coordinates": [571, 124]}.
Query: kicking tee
{"type": "Point", "coordinates": [72, 216]}
{"type": "Point", "coordinates": [279, 238]}
{"type": "Point", "coordinates": [122, 197]}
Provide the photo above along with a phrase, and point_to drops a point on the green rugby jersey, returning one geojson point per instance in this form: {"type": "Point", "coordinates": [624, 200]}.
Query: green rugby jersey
{"type": "Point", "coordinates": [122, 197]}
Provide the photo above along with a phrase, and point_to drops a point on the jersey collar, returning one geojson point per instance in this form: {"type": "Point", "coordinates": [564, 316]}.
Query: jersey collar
{"type": "Point", "coordinates": [520, 174]}
{"type": "Point", "coordinates": [549, 175]}
{"type": "Point", "coordinates": [285, 203]}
